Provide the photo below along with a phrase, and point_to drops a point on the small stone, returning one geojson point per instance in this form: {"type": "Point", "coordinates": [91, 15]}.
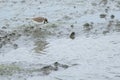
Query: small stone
{"type": "Point", "coordinates": [8, 39]}
{"type": "Point", "coordinates": [102, 15]}
{"type": "Point", "coordinates": [74, 6]}
{"type": "Point", "coordinates": [5, 37]}
{"type": "Point", "coordinates": [15, 46]}
{"type": "Point", "coordinates": [106, 10]}
{"type": "Point", "coordinates": [56, 64]}
{"type": "Point", "coordinates": [72, 35]}
{"type": "Point", "coordinates": [19, 35]}
{"type": "Point", "coordinates": [32, 27]}
{"type": "Point", "coordinates": [112, 16]}
{"type": "Point", "coordinates": [105, 32]}
{"type": "Point", "coordinates": [72, 26]}
{"type": "Point", "coordinates": [4, 27]}
{"type": "Point", "coordinates": [86, 24]}
{"type": "Point", "coordinates": [13, 33]}
{"type": "Point", "coordinates": [64, 66]}
{"type": "Point", "coordinates": [10, 34]}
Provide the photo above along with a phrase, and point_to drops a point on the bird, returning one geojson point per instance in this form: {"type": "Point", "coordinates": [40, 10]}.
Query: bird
{"type": "Point", "coordinates": [40, 19]}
